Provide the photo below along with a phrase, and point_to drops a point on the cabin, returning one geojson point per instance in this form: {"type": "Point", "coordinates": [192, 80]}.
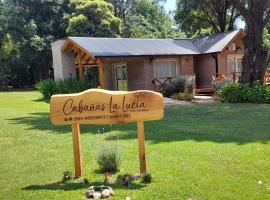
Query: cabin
{"type": "Point", "coordinates": [146, 64]}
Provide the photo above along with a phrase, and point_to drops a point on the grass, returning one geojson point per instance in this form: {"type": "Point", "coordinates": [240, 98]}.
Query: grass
{"type": "Point", "coordinates": [217, 151]}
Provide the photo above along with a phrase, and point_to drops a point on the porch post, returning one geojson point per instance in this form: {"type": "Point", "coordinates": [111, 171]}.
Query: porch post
{"type": "Point", "coordinates": [100, 74]}
{"type": "Point", "coordinates": [80, 64]}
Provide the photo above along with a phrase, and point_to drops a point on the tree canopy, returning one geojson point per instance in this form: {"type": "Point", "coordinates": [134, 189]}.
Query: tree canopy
{"type": "Point", "coordinates": [205, 17]}
{"type": "Point", "coordinates": [92, 18]}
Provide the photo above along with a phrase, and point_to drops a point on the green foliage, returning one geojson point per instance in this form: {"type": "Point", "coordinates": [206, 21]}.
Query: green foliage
{"type": "Point", "coordinates": [108, 157]}
{"type": "Point", "coordinates": [92, 18]}
{"type": "Point", "coordinates": [27, 29]}
{"type": "Point", "coordinates": [266, 38]}
{"type": "Point", "coordinates": [147, 19]}
{"type": "Point", "coordinates": [203, 17]}
{"type": "Point", "coordinates": [179, 85]}
{"type": "Point", "coordinates": [244, 93]}
{"type": "Point", "coordinates": [70, 85]}
{"type": "Point", "coordinates": [47, 88]}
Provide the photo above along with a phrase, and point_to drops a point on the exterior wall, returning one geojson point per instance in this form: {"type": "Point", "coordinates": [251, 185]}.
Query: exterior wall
{"type": "Point", "coordinates": [222, 56]}
{"type": "Point", "coordinates": [186, 66]}
{"type": "Point", "coordinates": [138, 74]}
{"type": "Point", "coordinates": [63, 63]}
{"type": "Point", "coordinates": [205, 68]}
{"type": "Point", "coordinates": [222, 62]}
{"type": "Point", "coordinates": [141, 70]}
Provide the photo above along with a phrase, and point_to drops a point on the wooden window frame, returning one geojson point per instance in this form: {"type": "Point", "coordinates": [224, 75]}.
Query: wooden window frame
{"type": "Point", "coordinates": [177, 71]}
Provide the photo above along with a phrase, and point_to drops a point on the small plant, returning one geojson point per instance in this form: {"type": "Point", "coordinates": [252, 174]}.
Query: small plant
{"type": "Point", "coordinates": [147, 178]}
{"type": "Point", "coordinates": [67, 175]}
{"type": "Point", "coordinates": [185, 96]}
{"type": "Point", "coordinates": [108, 157]}
{"type": "Point", "coordinates": [179, 85]}
{"type": "Point", "coordinates": [126, 179]}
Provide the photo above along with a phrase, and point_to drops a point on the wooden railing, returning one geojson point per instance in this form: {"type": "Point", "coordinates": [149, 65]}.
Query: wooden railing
{"type": "Point", "coordinates": [160, 83]}
{"type": "Point", "coordinates": [267, 77]}
{"type": "Point", "coordinates": [233, 76]}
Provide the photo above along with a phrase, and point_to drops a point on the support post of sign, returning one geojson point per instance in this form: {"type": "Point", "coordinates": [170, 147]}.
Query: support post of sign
{"type": "Point", "coordinates": [77, 149]}
{"type": "Point", "coordinates": [140, 130]}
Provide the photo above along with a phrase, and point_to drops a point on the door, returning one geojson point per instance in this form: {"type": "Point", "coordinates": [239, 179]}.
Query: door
{"type": "Point", "coordinates": [205, 68]}
{"type": "Point", "coordinates": [121, 79]}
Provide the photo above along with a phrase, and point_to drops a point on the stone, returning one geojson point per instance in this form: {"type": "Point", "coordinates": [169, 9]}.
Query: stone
{"type": "Point", "coordinates": [97, 195]}
{"type": "Point", "coordinates": [105, 193]}
{"type": "Point", "coordinates": [89, 194]}
{"type": "Point", "coordinates": [111, 192]}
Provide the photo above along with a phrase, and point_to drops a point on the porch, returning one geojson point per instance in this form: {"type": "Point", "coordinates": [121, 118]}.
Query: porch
{"type": "Point", "coordinates": [234, 77]}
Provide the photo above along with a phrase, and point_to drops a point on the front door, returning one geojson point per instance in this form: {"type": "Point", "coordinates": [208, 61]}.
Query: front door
{"type": "Point", "coordinates": [121, 79]}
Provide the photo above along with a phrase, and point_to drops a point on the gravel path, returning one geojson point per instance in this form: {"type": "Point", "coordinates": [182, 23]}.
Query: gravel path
{"type": "Point", "coordinates": [198, 100]}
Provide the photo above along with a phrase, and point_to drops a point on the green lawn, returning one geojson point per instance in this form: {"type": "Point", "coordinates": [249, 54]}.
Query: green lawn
{"type": "Point", "coordinates": [217, 151]}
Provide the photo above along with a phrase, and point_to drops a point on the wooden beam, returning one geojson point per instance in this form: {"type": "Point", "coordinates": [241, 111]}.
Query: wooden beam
{"type": "Point", "coordinates": [100, 74]}
{"type": "Point", "coordinates": [140, 130]}
{"type": "Point", "coordinates": [77, 149]}
{"type": "Point", "coordinates": [70, 41]}
{"type": "Point", "coordinates": [80, 64]}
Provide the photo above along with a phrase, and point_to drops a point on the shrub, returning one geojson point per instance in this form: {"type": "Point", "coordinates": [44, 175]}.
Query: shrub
{"type": "Point", "coordinates": [185, 96]}
{"type": "Point", "coordinates": [47, 88]}
{"type": "Point", "coordinates": [179, 85]}
{"type": "Point", "coordinates": [244, 93]}
{"type": "Point", "coordinates": [108, 157]}
{"type": "Point", "coordinates": [70, 85]}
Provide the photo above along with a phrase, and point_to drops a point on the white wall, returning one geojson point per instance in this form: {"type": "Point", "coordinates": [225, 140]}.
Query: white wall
{"type": "Point", "coordinates": [63, 62]}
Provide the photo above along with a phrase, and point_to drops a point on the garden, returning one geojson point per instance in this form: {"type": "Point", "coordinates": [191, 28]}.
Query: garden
{"type": "Point", "coordinates": [199, 151]}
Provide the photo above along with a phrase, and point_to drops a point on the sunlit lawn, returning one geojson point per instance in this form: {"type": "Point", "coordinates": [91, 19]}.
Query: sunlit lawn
{"type": "Point", "coordinates": [217, 151]}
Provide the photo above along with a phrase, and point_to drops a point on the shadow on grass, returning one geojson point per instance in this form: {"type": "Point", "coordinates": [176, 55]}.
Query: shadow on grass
{"type": "Point", "coordinates": [42, 100]}
{"type": "Point", "coordinates": [220, 123]}
{"type": "Point", "coordinates": [77, 186]}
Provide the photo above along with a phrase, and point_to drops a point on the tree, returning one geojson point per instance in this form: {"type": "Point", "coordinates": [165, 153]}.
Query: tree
{"type": "Point", "coordinates": [257, 15]}
{"type": "Point", "coordinates": [145, 19]}
{"type": "Point", "coordinates": [204, 17]}
{"type": "Point", "coordinates": [32, 26]}
{"type": "Point", "coordinates": [92, 18]}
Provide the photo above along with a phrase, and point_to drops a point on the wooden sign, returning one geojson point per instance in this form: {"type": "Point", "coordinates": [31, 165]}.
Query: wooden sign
{"type": "Point", "coordinates": [97, 106]}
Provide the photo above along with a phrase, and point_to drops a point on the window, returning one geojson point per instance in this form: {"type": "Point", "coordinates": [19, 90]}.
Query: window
{"type": "Point", "coordinates": [165, 68]}
{"type": "Point", "coordinates": [234, 64]}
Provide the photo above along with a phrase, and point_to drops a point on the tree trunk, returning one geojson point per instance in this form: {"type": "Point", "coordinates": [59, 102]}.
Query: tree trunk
{"type": "Point", "coordinates": [254, 61]}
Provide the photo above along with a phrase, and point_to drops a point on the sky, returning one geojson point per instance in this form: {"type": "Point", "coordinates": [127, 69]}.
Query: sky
{"type": "Point", "coordinates": [170, 5]}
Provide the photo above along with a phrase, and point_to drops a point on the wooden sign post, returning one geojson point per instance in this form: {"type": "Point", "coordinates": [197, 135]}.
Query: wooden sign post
{"type": "Point", "coordinates": [97, 106]}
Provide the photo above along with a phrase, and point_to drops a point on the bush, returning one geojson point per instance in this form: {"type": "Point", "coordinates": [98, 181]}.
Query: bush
{"type": "Point", "coordinates": [244, 93]}
{"type": "Point", "coordinates": [179, 85]}
{"type": "Point", "coordinates": [71, 85]}
{"type": "Point", "coordinates": [108, 157]}
{"type": "Point", "coordinates": [185, 96]}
